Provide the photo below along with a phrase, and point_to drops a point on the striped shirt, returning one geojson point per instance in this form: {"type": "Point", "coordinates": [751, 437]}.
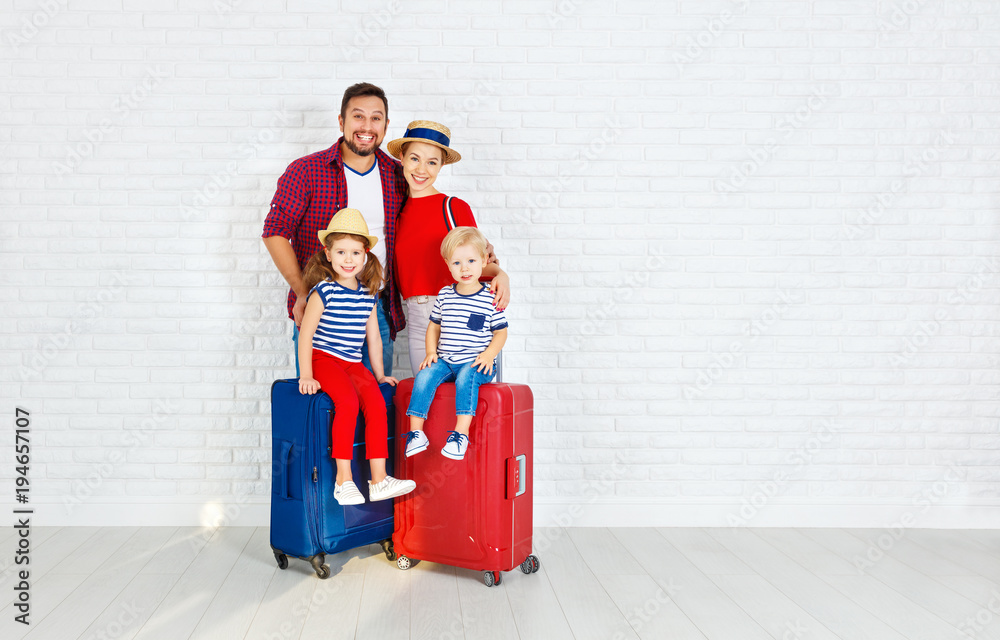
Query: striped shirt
{"type": "Point", "coordinates": [467, 323]}
{"type": "Point", "coordinates": [341, 330]}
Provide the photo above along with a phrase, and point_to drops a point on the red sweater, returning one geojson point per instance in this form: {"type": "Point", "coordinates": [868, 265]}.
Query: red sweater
{"type": "Point", "coordinates": [420, 269]}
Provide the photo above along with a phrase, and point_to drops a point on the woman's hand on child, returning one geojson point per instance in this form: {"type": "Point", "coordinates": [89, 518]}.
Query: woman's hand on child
{"type": "Point", "coordinates": [483, 363]}
{"type": "Point", "coordinates": [500, 286]}
{"type": "Point", "coordinates": [392, 381]}
{"type": "Point", "coordinates": [308, 386]}
{"type": "Point", "coordinates": [428, 361]}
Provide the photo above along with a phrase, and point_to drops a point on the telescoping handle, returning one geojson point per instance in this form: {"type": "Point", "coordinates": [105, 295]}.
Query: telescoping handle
{"type": "Point", "coordinates": [499, 368]}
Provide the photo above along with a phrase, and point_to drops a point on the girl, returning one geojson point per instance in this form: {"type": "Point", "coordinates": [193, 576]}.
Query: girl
{"type": "Point", "coordinates": [339, 315]}
{"type": "Point", "coordinates": [425, 219]}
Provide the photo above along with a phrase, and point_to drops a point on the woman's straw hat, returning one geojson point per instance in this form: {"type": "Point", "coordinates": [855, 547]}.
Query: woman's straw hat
{"type": "Point", "coordinates": [348, 221]}
{"type": "Point", "coordinates": [429, 132]}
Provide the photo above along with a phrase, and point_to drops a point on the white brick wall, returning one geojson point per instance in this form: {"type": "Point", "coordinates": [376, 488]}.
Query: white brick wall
{"type": "Point", "coordinates": [753, 244]}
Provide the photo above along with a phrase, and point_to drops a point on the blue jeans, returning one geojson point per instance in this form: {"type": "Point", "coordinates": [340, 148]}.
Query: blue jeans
{"type": "Point", "coordinates": [467, 380]}
{"type": "Point", "coordinates": [383, 328]}
{"type": "Point", "coordinates": [381, 306]}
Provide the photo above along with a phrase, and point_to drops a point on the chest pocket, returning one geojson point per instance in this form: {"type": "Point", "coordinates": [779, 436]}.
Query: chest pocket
{"type": "Point", "coordinates": [476, 321]}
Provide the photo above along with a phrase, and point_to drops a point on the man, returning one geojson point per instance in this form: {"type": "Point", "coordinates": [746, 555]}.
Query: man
{"type": "Point", "coordinates": [352, 173]}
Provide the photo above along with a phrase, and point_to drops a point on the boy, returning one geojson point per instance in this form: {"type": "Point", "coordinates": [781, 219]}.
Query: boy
{"type": "Point", "coordinates": [463, 339]}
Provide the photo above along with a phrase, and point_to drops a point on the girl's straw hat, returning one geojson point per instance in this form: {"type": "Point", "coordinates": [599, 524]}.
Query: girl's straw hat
{"type": "Point", "coordinates": [425, 131]}
{"type": "Point", "coordinates": [348, 221]}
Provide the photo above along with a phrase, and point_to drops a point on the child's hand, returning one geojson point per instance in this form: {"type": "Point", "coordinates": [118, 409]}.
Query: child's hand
{"type": "Point", "coordinates": [388, 379]}
{"type": "Point", "coordinates": [483, 363]}
{"type": "Point", "coordinates": [500, 286]}
{"type": "Point", "coordinates": [308, 386]}
{"type": "Point", "coordinates": [428, 361]}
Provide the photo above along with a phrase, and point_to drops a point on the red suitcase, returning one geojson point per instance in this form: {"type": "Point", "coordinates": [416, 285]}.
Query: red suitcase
{"type": "Point", "coordinates": [473, 513]}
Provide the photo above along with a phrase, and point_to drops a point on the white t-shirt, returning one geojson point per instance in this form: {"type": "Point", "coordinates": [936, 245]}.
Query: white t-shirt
{"type": "Point", "coordinates": [364, 193]}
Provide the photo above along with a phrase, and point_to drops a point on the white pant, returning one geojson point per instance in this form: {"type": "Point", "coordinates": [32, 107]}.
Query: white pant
{"type": "Point", "coordinates": [418, 316]}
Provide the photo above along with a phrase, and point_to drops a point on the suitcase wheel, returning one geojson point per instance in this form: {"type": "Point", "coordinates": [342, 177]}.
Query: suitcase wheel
{"type": "Point", "coordinates": [387, 547]}
{"type": "Point", "coordinates": [403, 563]}
{"type": "Point", "coordinates": [530, 564]}
{"type": "Point", "coordinates": [491, 578]}
{"type": "Point", "coordinates": [282, 560]}
{"type": "Point", "coordinates": [321, 569]}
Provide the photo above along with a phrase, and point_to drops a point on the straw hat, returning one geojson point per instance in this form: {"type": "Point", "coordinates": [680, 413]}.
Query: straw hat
{"type": "Point", "coordinates": [429, 132]}
{"type": "Point", "coordinates": [348, 221]}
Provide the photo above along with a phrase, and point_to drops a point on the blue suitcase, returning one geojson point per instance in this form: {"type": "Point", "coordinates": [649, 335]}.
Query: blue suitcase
{"type": "Point", "coordinates": [306, 522]}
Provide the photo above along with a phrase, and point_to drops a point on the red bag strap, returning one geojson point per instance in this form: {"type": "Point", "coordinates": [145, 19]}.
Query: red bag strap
{"type": "Point", "coordinates": [449, 217]}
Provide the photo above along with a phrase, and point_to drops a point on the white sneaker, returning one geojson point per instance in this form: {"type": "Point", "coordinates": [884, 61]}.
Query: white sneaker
{"type": "Point", "coordinates": [390, 488]}
{"type": "Point", "coordinates": [347, 494]}
{"type": "Point", "coordinates": [416, 441]}
{"type": "Point", "coordinates": [455, 446]}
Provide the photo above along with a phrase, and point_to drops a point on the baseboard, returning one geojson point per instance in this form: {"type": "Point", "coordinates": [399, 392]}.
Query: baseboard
{"type": "Point", "coordinates": [562, 512]}
{"type": "Point", "coordinates": [150, 513]}
{"type": "Point", "coordinates": [650, 512]}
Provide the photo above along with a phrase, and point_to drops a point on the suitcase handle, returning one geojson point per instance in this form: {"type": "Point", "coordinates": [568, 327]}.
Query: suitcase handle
{"type": "Point", "coordinates": [516, 483]}
{"type": "Point", "coordinates": [286, 463]}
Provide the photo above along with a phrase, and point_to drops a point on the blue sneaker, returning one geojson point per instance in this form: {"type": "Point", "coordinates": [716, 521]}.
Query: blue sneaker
{"type": "Point", "coordinates": [455, 446]}
{"type": "Point", "coordinates": [416, 442]}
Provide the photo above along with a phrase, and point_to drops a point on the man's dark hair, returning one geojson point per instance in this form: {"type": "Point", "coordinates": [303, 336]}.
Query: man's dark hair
{"type": "Point", "coordinates": [362, 89]}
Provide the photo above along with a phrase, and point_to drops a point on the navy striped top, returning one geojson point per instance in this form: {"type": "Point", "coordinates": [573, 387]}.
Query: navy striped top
{"type": "Point", "coordinates": [467, 323]}
{"type": "Point", "coordinates": [341, 330]}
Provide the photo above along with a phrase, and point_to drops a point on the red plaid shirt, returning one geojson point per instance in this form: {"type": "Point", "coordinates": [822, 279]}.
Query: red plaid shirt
{"type": "Point", "coordinates": [312, 190]}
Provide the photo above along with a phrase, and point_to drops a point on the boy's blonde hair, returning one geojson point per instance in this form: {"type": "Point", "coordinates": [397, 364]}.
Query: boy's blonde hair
{"type": "Point", "coordinates": [460, 236]}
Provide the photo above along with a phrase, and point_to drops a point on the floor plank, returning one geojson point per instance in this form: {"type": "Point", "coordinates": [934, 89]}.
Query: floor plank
{"type": "Point", "coordinates": [486, 611]}
{"type": "Point", "coordinates": [181, 610]}
{"type": "Point", "coordinates": [896, 610]}
{"type": "Point", "coordinates": [813, 556]}
{"type": "Point", "coordinates": [235, 604]}
{"type": "Point", "coordinates": [701, 584]}
{"type": "Point", "coordinates": [125, 615]}
{"type": "Point", "coordinates": [180, 551]}
{"type": "Point", "coordinates": [928, 593]}
{"type": "Point", "coordinates": [118, 566]}
{"type": "Point", "coordinates": [78, 553]}
{"type": "Point", "coordinates": [385, 612]}
{"type": "Point", "coordinates": [604, 553]}
{"type": "Point", "coordinates": [10, 545]}
{"type": "Point", "coordinates": [957, 548]}
{"type": "Point", "coordinates": [771, 609]}
{"type": "Point", "coordinates": [715, 615]}
{"type": "Point", "coordinates": [589, 609]}
{"type": "Point", "coordinates": [435, 605]}
{"type": "Point", "coordinates": [650, 611]}
{"type": "Point", "coordinates": [332, 611]}
{"type": "Point", "coordinates": [985, 621]}
{"type": "Point", "coordinates": [99, 549]}
{"type": "Point", "coordinates": [705, 552]}
{"type": "Point", "coordinates": [287, 603]}
{"type": "Point", "coordinates": [990, 539]}
{"type": "Point", "coordinates": [534, 605]}
{"type": "Point", "coordinates": [58, 548]}
{"type": "Point", "coordinates": [46, 595]}
{"type": "Point", "coordinates": [879, 544]}
{"type": "Point", "coordinates": [824, 603]}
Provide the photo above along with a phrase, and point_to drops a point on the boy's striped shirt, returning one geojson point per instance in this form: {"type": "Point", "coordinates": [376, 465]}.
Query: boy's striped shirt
{"type": "Point", "coordinates": [467, 323]}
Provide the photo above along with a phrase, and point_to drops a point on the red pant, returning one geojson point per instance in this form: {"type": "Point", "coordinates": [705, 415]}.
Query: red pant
{"type": "Point", "coordinates": [346, 383]}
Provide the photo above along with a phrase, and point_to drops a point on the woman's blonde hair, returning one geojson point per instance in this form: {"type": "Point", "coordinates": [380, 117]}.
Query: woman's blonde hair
{"type": "Point", "coordinates": [319, 267]}
{"type": "Point", "coordinates": [461, 236]}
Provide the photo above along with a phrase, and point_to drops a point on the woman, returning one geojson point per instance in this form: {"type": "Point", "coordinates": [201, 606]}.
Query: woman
{"type": "Point", "coordinates": [424, 221]}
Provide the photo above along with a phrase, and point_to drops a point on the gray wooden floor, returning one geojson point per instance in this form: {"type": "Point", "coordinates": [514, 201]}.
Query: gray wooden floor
{"type": "Point", "coordinates": [727, 584]}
